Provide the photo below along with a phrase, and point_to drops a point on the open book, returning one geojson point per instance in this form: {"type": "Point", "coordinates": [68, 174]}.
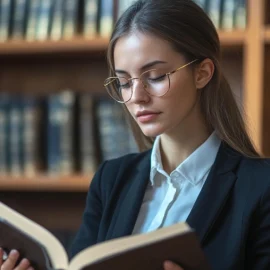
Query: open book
{"type": "Point", "coordinates": [137, 252]}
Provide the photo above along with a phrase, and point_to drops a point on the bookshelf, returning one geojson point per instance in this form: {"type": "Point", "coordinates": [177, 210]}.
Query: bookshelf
{"type": "Point", "coordinates": [81, 45]}
{"type": "Point", "coordinates": [75, 45]}
{"type": "Point", "coordinates": [80, 64]}
{"type": "Point", "coordinates": [44, 183]}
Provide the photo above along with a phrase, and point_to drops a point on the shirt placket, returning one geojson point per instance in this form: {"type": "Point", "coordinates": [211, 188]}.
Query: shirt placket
{"type": "Point", "coordinates": [161, 214]}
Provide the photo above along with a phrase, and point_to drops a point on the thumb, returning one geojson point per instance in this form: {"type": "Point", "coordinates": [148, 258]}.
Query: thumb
{"type": "Point", "coordinates": [169, 265]}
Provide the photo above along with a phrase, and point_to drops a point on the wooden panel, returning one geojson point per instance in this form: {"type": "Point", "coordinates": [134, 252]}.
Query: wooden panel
{"type": "Point", "coordinates": [266, 119]}
{"type": "Point", "coordinates": [253, 72]}
{"type": "Point", "coordinates": [44, 183]}
{"type": "Point", "coordinates": [232, 63]}
{"type": "Point", "coordinates": [51, 210]}
{"type": "Point", "coordinates": [45, 74]}
{"type": "Point", "coordinates": [267, 34]}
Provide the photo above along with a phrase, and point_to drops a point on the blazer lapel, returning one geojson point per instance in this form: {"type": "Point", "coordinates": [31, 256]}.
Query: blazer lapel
{"type": "Point", "coordinates": [215, 192]}
{"type": "Point", "coordinates": [129, 207]}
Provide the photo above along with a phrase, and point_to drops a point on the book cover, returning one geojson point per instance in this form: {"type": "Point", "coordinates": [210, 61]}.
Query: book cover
{"type": "Point", "coordinates": [144, 251]}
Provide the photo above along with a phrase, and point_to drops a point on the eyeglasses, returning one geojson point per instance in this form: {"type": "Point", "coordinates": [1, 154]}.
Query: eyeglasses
{"type": "Point", "coordinates": [155, 83]}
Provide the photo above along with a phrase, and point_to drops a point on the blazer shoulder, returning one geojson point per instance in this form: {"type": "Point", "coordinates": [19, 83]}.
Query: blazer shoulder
{"type": "Point", "coordinates": [256, 169]}
{"type": "Point", "coordinates": [110, 171]}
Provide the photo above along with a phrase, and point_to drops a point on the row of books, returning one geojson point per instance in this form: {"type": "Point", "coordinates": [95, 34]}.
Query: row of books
{"type": "Point", "coordinates": [60, 134]}
{"type": "Point", "coordinates": [55, 19]}
{"type": "Point", "coordinates": [226, 14]}
{"type": "Point", "coordinates": [64, 19]}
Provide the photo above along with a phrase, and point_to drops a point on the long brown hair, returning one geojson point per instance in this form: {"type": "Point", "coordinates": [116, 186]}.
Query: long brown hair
{"type": "Point", "coordinates": [190, 31]}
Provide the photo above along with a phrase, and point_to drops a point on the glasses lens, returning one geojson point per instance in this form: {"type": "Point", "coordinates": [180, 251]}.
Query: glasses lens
{"type": "Point", "coordinates": [156, 82]}
{"type": "Point", "coordinates": [118, 88]}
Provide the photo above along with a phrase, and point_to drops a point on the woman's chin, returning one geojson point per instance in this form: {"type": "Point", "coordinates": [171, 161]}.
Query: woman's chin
{"type": "Point", "coordinates": [152, 132]}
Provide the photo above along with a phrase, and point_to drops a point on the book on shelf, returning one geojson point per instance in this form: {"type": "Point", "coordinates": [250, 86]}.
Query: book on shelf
{"type": "Point", "coordinates": [144, 251]}
{"type": "Point", "coordinates": [70, 18]}
{"type": "Point", "coordinates": [32, 20]}
{"type": "Point", "coordinates": [90, 18]}
{"type": "Point", "coordinates": [228, 14]}
{"type": "Point", "coordinates": [56, 32]}
{"type": "Point", "coordinates": [214, 11]}
{"type": "Point", "coordinates": [5, 17]}
{"type": "Point", "coordinates": [106, 11]}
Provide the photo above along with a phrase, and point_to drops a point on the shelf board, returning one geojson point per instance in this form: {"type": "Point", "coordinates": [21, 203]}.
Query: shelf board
{"type": "Point", "coordinates": [82, 45]}
{"type": "Point", "coordinates": [74, 183]}
{"type": "Point", "coordinates": [267, 35]}
{"type": "Point", "coordinates": [77, 45]}
{"type": "Point", "coordinates": [232, 38]}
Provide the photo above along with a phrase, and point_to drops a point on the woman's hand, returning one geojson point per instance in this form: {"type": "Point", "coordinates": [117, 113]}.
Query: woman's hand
{"type": "Point", "coordinates": [10, 262]}
{"type": "Point", "coordinates": [168, 265]}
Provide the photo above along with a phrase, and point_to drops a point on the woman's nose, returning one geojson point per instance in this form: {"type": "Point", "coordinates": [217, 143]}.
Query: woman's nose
{"type": "Point", "coordinates": [139, 93]}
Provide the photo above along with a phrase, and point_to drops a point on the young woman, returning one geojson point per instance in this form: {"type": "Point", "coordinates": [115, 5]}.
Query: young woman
{"type": "Point", "coordinates": [164, 59]}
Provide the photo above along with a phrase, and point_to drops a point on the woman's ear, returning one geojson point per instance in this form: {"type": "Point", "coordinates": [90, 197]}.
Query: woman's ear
{"type": "Point", "coordinates": [204, 73]}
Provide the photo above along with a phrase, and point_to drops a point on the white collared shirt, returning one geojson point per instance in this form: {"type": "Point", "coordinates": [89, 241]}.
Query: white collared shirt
{"type": "Point", "coordinates": [169, 198]}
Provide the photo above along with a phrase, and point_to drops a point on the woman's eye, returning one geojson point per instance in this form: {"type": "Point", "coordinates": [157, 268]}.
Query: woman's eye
{"type": "Point", "coordinates": [124, 86]}
{"type": "Point", "coordinates": [157, 79]}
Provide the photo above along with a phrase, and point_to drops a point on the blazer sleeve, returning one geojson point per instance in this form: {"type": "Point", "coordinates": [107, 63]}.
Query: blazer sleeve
{"type": "Point", "coordinates": [88, 231]}
{"type": "Point", "coordinates": [258, 251]}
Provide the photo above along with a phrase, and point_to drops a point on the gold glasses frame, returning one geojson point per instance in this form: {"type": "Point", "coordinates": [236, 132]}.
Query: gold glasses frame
{"type": "Point", "coordinates": [130, 80]}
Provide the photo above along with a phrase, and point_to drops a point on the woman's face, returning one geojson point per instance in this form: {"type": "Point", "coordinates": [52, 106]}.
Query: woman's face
{"type": "Point", "coordinates": [137, 53]}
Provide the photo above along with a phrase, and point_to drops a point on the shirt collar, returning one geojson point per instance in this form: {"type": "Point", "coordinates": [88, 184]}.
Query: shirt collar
{"type": "Point", "coordinates": [194, 167]}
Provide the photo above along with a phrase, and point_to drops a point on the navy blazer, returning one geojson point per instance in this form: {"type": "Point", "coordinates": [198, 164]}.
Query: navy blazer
{"type": "Point", "coordinates": [231, 215]}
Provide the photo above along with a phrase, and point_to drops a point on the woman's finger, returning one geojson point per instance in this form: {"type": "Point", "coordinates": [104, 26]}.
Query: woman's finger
{"type": "Point", "coordinates": [10, 262]}
{"type": "Point", "coordinates": [1, 256]}
{"type": "Point", "coordinates": [168, 265]}
{"type": "Point", "coordinates": [23, 265]}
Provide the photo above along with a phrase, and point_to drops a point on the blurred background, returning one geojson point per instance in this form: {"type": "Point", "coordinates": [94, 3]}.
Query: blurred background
{"type": "Point", "coordinates": [56, 121]}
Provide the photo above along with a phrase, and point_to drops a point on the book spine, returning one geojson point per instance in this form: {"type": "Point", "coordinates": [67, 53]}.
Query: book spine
{"type": "Point", "coordinates": [214, 11]}
{"type": "Point", "coordinates": [227, 15]}
{"type": "Point", "coordinates": [241, 15]}
{"type": "Point", "coordinates": [57, 20]}
{"type": "Point", "coordinates": [90, 18]}
{"type": "Point", "coordinates": [87, 150]}
{"type": "Point", "coordinates": [70, 18]}
{"type": "Point", "coordinates": [32, 19]}
{"type": "Point", "coordinates": [44, 19]}
{"type": "Point", "coordinates": [19, 19]}
{"type": "Point", "coordinates": [67, 101]}
{"type": "Point", "coordinates": [30, 120]}
{"type": "Point", "coordinates": [106, 18]}
{"type": "Point", "coordinates": [4, 107]}
{"type": "Point", "coordinates": [5, 18]}
{"type": "Point", "coordinates": [53, 134]}
{"type": "Point", "coordinates": [15, 145]}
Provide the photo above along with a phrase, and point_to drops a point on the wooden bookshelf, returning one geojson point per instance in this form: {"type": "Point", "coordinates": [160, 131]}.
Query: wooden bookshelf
{"type": "Point", "coordinates": [43, 183]}
{"type": "Point", "coordinates": [232, 38]}
{"type": "Point", "coordinates": [81, 45]}
{"type": "Point", "coordinates": [76, 45]}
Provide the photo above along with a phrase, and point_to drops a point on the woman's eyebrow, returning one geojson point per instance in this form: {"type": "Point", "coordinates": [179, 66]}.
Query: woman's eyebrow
{"type": "Point", "coordinates": [144, 67]}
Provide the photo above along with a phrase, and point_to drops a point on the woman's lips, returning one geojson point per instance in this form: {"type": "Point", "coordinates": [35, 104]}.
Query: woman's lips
{"type": "Point", "coordinates": [147, 117]}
